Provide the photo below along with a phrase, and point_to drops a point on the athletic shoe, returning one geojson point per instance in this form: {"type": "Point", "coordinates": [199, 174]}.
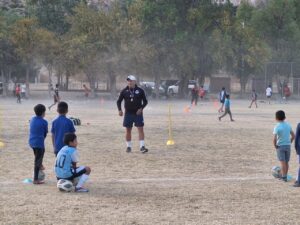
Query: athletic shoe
{"type": "Point", "coordinates": [143, 149]}
{"type": "Point", "coordinates": [128, 149]}
{"type": "Point", "coordinates": [283, 179]}
{"type": "Point", "coordinates": [38, 182]}
{"type": "Point", "coordinates": [81, 189]}
{"type": "Point", "coordinates": [296, 184]}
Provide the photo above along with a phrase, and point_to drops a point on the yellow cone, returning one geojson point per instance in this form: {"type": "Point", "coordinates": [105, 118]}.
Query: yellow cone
{"type": "Point", "coordinates": [170, 142]}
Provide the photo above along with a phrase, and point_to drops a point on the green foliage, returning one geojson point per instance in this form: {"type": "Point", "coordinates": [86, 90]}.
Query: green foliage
{"type": "Point", "coordinates": [52, 14]}
{"type": "Point", "coordinates": [158, 38]}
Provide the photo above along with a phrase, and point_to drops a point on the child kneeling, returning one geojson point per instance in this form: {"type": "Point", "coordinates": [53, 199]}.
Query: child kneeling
{"type": "Point", "coordinates": [66, 163]}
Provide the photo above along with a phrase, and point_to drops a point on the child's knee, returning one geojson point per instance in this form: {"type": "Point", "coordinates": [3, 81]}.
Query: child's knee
{"type": "Point", "coordinates": [88, 170]}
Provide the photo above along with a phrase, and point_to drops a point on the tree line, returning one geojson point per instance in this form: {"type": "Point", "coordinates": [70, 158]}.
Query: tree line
{"type": "Point", "coordinates": [187, 39]}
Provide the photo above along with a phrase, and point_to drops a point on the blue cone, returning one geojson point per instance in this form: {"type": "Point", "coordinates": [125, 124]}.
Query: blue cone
{"type": "Point", "coordinates": [27, 181]}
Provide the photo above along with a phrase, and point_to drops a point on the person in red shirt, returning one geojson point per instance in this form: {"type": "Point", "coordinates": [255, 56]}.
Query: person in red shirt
{"type": "Point", "coordinates": [18, 93]}
{"type": "Point", "coordinates": [201, 92]}
{"type": "Point", "coordinates": [286, 92]}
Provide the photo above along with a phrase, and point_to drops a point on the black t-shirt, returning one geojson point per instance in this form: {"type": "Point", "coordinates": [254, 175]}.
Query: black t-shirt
{"type": "Point", "coordinates": [134, 99]}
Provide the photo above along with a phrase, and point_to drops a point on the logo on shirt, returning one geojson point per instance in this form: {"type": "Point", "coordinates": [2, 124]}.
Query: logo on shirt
{"type": "Point", "coordinates": [137, 92]}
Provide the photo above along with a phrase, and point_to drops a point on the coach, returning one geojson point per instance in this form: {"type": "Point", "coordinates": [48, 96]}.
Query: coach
{"type": "Point", "coordinates": [135, 101]}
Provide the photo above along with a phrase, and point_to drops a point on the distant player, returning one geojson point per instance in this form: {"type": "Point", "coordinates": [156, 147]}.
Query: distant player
{"type": "Point", "coordinates": [201, 92]}
{"type": "Point", "coordinates": [37, 134]}
{"type": "Point", "coordinates": [60, 126]}
{"type": "Point", "coordinates": [66, 163]}
{"type": "Point", "coordinates": [23, 91]}
{"type": "Point", "coordinates": [195, 95]}
{"type": "Point", "coordinates": [253, 98]}
{"type": "Point", "coordinates": [86, 91]}
{"type": "Point", "coordinates": [227, 108]}
{"type": "Point", "coordinates": [18, 93]}
{"type": "Point", "coordinates": [286, 92]}
{"type": "Point", "coordinates": [222, 96]}
{"type": "Point", "coordinates": [269, 93]}
{"type": "Point", "coordinates": [283, 137]}
{"type": "Point", "coordinates": [135, 101]}
{"type": "Point", "coordinates": [56, 97]}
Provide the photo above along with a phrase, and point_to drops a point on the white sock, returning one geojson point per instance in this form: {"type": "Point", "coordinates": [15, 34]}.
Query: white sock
{"type": "Point", "coordinates": [142, 143]}
{"type": "Point", "coordinates": [83, 179]}
{"type": "Point", "coordinates": [128, 143]}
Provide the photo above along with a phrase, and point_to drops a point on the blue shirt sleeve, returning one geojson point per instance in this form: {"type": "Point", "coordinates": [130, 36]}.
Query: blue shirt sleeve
{"type": "Point", "coordinates": [46, 128]}
{"type": "Point", "coordinates": [53, 127]}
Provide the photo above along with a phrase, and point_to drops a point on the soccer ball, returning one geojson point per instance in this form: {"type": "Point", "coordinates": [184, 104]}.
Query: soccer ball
{"type": "Point", "coordinates": [41, 175]}
{"type": "Point", "coordinates": [276, 171]}
{"type": "Point", "coordinates": [65, 185]}
{"type": "Point", "coordinates": [76, 121]}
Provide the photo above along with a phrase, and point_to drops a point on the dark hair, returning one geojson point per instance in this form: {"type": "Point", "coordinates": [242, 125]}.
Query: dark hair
{"type": "Point", "coordinates": [223, 88]}
{"type": "Point", "coordinates": [227, 96]}
{"type": "Point", "coordinates": [69, 137]}
{"type": "Point", "coordinates": [280, 115]}
{"type": "Point", "coordinates": [57, 85]}
{"type": "Point", "coordinates": [62, 108]}
{"type": "Point", "coordinates": [39, 109]}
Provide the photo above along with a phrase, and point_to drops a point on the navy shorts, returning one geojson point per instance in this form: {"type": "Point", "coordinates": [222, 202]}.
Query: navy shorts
{"type": "Point", "coordinates": [284, 153]}
{"type": "Point", "coordinates": [130, 118]}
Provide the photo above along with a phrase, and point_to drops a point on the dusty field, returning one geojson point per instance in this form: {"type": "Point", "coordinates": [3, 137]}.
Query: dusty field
{"type": "Point", "coordinates": [216, 173]}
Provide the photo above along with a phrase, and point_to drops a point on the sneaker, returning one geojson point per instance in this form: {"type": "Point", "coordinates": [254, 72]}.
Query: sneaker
{"type": "Point", "coordinates": [128, 149]}
{"type": "Point", "coordinates": [143, 149]}
{"type": "Point", "coordinates": [296, 184]}
{"type": "Point", "coordinates": [283, 179]}
{"type": "Point", "coordinates": [81, 189]}
{"type": "Point", "coordinates": [38, 182]}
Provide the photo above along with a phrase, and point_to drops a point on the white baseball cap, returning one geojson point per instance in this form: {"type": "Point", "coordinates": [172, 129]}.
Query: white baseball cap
{"type": "Point", "coordinates": [131, 77]}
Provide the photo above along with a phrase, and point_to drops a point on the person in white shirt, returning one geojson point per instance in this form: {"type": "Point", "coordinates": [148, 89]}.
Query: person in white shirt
{"type": "Point", "coordinates": [23, 90]}
{"type": "Point", "coordinates": [269, 93]}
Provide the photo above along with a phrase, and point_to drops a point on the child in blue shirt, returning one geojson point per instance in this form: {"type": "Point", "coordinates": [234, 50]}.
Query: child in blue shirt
{"type": "Point", "coordinates": [37, 134]}
{"type": "Point", "coordinates": [66, 163]}
{"type": "Point", "coordinates": [283, 137]}
{"type": "Point", "coordinates": [60, 126]}
{"type": "Point", "coordinates": [227, 108]}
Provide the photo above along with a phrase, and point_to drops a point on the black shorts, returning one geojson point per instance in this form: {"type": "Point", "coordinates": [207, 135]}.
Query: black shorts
{"type": "Point", "coordinates": [75, 174]}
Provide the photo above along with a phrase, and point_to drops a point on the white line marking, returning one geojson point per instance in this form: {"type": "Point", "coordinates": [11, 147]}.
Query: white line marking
{"type": "Point", "coordinates": [161, 180]}
{"type": "Point", "coordinates": [192, 179]}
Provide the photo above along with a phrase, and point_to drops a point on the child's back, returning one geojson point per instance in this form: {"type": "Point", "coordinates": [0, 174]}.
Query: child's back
{"type": "Point", "coordinates": [60, 126]}
{"type": "Point", "coordinates": [282, 130]}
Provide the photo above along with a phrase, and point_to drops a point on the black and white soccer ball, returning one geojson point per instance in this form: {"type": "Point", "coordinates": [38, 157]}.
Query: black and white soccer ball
{"type": "Point", "coordinates": [76, 121]}
{"type": "Point", "coordinates": [65, 185]}
{"type": "Point", "coordinates": [276, 171]}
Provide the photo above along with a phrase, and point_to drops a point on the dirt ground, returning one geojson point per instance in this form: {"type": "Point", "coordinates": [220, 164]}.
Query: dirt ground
{"type": "Point", "coordinates": [216, 173]}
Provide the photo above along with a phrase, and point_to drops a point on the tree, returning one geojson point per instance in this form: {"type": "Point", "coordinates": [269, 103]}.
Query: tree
{"type": "Point", "coordinates": [240, 49]}
{"type": "Point", "coordinates": [277, 24]}
{"type": "Point", "coordinates": [24, 38]}
{"type": "Point", "coordinates": [52, 14]}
